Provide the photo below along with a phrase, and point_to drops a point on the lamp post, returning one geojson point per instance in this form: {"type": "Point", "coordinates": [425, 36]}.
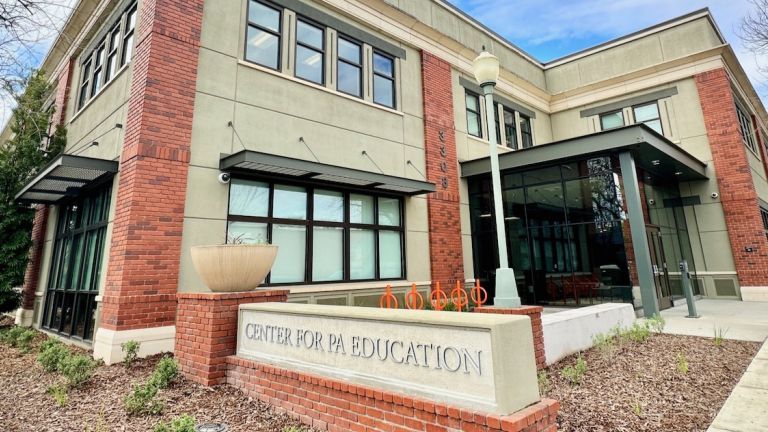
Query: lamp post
{"type": "Point", "coordinates": [486, 70]}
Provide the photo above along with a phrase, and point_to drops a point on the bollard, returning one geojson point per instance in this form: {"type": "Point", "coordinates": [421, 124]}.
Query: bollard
{"type": "Point", "coordinates": [688, 290]}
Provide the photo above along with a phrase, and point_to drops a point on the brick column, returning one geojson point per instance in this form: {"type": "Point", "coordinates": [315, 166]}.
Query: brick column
{"type": "Point", "coordinates": [206, 331]}
{"type": "Point", "coordinates": [142, 275]}
{"type": "Point", "coordinates": [734, 179]}
{"type": "Point", "coordinates": [532, 312]}
{"type": "Point", "coordinates": [446, 257]}
{"type": "Point", "coordinates": [32, 273]}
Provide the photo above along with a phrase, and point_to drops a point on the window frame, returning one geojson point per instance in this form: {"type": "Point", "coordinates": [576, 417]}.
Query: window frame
{"type": "Point", "coordinates": [606, 114]}
{"type": "Point", "coordinates": [525, 120]}
{"type": "Point", "coordinates": [764, 216]}
{"type": "Point", "coordinates": [359, 66]}
{"type": "Point", "coordinates": [658, 112]}
{"type": "Point", "coordinates": [113, 52]}
{"type": "Point", "coordinates": [746, 127]}
{"type": "Point", "coordinates": [309, 223]}
{"type": "Point", "coordinates": [392, 79]}
{"type": "Point", "coordinates": [128, 34]}
{"type": "Point", "coordinates": [505, 110]}
{"type": "Point", "coordinates": [323, 51]}
{"type": "Point", "coordinates": [279, 33]}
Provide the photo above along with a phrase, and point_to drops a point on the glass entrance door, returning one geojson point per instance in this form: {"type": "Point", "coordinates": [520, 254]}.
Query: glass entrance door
{"type": "Point", "coordinates": [660, 268]}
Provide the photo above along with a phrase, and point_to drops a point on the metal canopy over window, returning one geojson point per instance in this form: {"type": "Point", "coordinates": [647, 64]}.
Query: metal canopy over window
{"type": "Point", "coordinates": [652, 152]}
{"type": "Point", "coordinates": [251, 161]}
{"type": "Point", "coordinates": [65, 177]}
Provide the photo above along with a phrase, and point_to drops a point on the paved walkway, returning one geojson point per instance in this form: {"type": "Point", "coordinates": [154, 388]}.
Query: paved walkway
{"type": "Point", "coordinates": [739, 320]}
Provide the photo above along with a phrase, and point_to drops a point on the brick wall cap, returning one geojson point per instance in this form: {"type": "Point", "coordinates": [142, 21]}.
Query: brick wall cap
{"type": "Point", "coordinates": [509, 310]}
{"type": "Point", "coordinates": [230, 296]}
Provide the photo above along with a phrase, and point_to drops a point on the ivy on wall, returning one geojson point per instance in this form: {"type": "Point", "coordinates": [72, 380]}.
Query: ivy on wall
{"type": "Point", "coordinates": [28, 148]}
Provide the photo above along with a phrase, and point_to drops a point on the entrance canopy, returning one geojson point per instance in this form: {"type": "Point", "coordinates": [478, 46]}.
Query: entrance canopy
{"type": "Point", "coordinates": [65, 176]}
{"type": "Point", "coordinates": [652, 152]}
{"type": "Point", "coordinates": [251, 161]}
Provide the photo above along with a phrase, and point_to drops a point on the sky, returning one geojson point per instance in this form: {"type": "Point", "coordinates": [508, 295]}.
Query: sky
{"type": "Point", "coordinates": [549, 29]}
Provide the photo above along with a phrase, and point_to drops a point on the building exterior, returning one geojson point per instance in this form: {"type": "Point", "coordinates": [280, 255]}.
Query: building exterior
{"type": "Point", "coordinates": [356, 141]}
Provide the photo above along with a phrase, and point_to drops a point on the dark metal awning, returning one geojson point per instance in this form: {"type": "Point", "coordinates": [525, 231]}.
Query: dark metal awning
{"type": "Point", "coordinates": [652, 152]}
{"type": "Point", "coordinates": [251, 161]}
{"type": "Point", "coordinates": [64, 176]}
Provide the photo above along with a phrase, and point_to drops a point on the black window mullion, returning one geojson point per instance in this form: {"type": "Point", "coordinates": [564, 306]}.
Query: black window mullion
{"type": "Point", "coordinates": [310, 234]}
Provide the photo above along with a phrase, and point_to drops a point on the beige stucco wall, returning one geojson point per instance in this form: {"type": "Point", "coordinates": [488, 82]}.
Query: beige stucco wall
{"type": "Point", "coordinates": [271, 111]}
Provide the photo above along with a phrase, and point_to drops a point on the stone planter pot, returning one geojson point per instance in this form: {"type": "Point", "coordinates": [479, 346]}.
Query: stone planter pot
{"type": "Point", "coordinates": [233, 268]}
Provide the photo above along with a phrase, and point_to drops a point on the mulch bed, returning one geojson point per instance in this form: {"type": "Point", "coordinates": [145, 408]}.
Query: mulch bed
{"type": "Point", "coordinates": [97, 405]}
{"type": "Point", "coordinates": [639, 387]}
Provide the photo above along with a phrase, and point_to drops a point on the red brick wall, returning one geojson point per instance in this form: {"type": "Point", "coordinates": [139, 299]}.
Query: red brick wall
{"type": "Point", "coordinates": [532, 312]}
{"type": "Point", "coordinates": [734, 178]}
{"type": "Point", "coordinates": [206, 331]}
{"type": "Point", "coordinates": [142, 276]}
{"type": "Point", "coordinates": [338, 406]}
{"type": "Point", "coordinates": [32, 272]}
{"type": "Point", "coordinates": [446, 257]}
{"type": "Point", "coordinates": [63, 83]}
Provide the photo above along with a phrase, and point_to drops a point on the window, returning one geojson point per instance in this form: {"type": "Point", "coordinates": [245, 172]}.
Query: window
{"type": "Point", "coordinates": [310, 47]}
{"type": "Point", "coordinates": [611, 120]}
{"type": "Point", "coordinates": [497, 123]}
{"type": "Point", "coordinates": [747, 133]}
{"type": "Point", "coordinates": [526, 132]}
{"type": "Point", "coordinates": [648, 114]}
{"type": "Point", "coordinates": [474, 121]}
{"type": "Point", "coordinates": [324, 235]}
{"type": "Point", "coordinates": [383, 80]}
{"type": "Point", "coordinates": [100, 65]}
{"type": "Point", "coordinates": [130, 27]}
{"type": "Point", "coordinates": [350, 67]}
{"type": "Point", "coordinates": [764, 214]}
{"type": "Point", "coordinates": [75, 273]}
{"type": "Point", "coordinates": [510, 128]}
{"type": "Point", "coordinates": [263, 35]}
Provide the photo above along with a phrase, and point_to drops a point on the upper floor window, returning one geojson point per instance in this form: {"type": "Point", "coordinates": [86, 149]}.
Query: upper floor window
{"type": "Point", "coordinates": [526, 132]}
{"type": "Point", "coordinates": [263, 35]}
{"type": "Point", "coordinates": [648, 114]}
{"type": "Point", "coordinates": [383, 80]}
{"type": "Point", "coordinates": [350, 67]}
{"type": "Point", "coordinates": [510, 129]}
{"type": "Point", "coordinates": [310, 52]}
{"type": "Point", "coordinates": [474, 120]}
{"type": "Point", "coordinates": [100, 65]}
{"type": "Point", "coordinates": [612, 120]}
{"type": "Point", "coordinates": [747, 132]}
{"type": "Point", "coordinates": [764, 214]}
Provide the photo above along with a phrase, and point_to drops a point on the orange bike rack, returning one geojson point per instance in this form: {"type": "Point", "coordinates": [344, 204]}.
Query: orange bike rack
{"type": "Point", "coordinates": [414, 300]}
{"type": "Point", "coordinates": [459, 297]}
{"type": "Point", "coordinates": [388, 299]}
{"type": "Point", "coordinates": [479, 294]}
{"type": "Point", "coordinates": [438, 298]}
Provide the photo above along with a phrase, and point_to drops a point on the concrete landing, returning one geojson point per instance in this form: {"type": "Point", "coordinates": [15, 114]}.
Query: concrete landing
{"type": "Point", "coordinates": [740, 320]}
{"type": "Point", "coordinates": [746, 409]}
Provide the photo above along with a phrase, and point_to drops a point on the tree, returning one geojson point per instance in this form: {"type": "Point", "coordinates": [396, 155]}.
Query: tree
{"type": "Point", "coordinates": [21, 157]}
{"type": "Point", "coordinates": [754, 30]}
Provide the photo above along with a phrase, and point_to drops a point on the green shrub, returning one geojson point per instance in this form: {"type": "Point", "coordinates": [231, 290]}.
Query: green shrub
{"type": "Point", "coordinates": [682, 363]}
{"type": "Point", "coordinates": [605, 344]}
{"type": "Point", "coordinates": [574, 374]}
{"type": "Point", "coordinates": [183, 423]}
{"type": "Point", "coordinates": [720, 335]}
{"type": "Point", "coordinates": [18, 337]}
{"type": "Point", "coordinates": [656, 323]}
{"type": "Point", "coordinates": [637, 409]}
{"type": "Point", "coordinates": [77, 369]}
{"type": "Point", "coordinates": [544, 385]}
{"type": "Point", "coordinates": [142, 400]}
{"type": "Point", "coordinates": [59, 394]}
{"type": "Point", "coordinates": [131, 351]}
{"type": "Point", "coordinates": [166, 371]}
{"type": "Point", "coordinates": [638, 332]}
{"type": "Point", "coordinates": [294, 429]}
{"type": "Point", "coordinates": [52, 354]}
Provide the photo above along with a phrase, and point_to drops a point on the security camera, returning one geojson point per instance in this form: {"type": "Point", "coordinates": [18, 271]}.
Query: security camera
{"type": "Point", "coordinates": [714, 195]}
{"type": "Point", "coordinates": [652, 201]}
{"type": "Point", "coordinates": [224, 178]}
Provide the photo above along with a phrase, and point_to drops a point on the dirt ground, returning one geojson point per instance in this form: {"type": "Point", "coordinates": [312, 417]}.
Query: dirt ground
{"type": "Point", "coordinates": [97, 405]}
{"type": "Point", "coordinates": [643, 386]}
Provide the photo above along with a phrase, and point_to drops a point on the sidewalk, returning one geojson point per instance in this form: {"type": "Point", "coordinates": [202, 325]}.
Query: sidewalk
{"type": "Point", "coordinates": [739, 320]}
{"type": "Point", "coordinates": [746, 409]}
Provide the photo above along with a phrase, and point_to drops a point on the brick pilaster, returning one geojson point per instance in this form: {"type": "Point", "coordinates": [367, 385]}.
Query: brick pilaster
{"type": "Point", "coordinates": [734, 178]}
{"type": "Point", "coordinates": [143, 270]}
{"type": "Point", "coordinates": [32, 272]}
{"type": "Point", "coordinates": [446, 257]}
{"type": "Point", "coordinates": [206, 331]}
{"type": "Point", "coordinates": [532, 312]}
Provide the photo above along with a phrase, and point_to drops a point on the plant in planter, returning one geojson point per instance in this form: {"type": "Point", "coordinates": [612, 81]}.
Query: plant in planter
{"type": "Point", "coordinates": [238, 265]}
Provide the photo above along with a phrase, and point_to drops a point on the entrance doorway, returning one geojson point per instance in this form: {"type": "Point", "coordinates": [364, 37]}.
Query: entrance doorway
{"type": "Point", "coordinates": [659, 266]}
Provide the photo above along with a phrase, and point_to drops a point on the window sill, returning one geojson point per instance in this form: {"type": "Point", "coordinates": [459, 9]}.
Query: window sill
{"type": "Point", "coordinates": [486, 142]}
{"type": "Point", "coordinates": [350, 286]}
{"type": "Point", "coordinates": [98, 93]}
{"type": "Point", "coordinates": [318, 87]}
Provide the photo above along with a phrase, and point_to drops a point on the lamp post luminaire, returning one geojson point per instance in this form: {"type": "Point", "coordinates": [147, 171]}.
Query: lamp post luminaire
{"type": "Point", "coordinates": [486, 70]}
